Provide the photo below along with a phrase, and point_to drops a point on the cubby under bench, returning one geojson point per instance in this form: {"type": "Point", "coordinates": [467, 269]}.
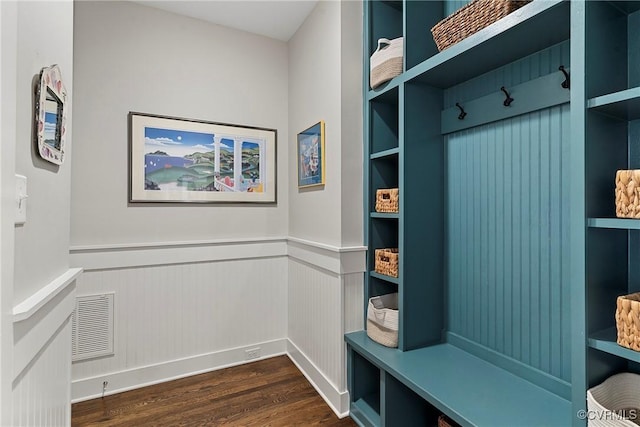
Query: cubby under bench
{"type": "Point", "coordinates": [415, 386]}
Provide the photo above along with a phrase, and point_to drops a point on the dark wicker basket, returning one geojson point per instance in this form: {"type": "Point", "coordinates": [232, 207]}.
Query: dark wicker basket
{"type": "Point", "coordinates": [470, 19]}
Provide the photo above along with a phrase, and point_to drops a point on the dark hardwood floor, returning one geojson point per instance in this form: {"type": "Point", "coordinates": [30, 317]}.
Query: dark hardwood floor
{"type": "Point", "coordinates": [271, 392]}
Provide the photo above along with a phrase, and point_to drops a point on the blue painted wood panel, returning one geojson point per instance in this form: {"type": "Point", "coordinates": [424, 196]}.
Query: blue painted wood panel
{"type": "Point", "coordinates": [508, 238]}
{"type": "Point", "coordinates": [450, 6]}
{"type": "Point", "coordinates": [529, 68]}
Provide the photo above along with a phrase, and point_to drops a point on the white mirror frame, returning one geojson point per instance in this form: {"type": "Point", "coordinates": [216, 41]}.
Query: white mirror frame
{"type": "Point", "coordinates": [51, 84]}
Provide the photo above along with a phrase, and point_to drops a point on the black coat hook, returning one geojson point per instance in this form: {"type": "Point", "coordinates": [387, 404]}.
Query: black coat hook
{"type": "Point", "coordinates": [565, 83]}
{"type": "Point", "coordinates": [462, 112]}
{"type": "Point", "coordinates": [508, 99]}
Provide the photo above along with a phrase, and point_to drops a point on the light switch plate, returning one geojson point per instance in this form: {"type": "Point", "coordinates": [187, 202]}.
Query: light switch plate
{"type": "Point", "coordinates": [21, 199]}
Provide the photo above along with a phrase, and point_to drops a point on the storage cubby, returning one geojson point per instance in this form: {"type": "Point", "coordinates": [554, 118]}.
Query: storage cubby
{"type": "Point", "coordinates": [385, 20]}
{"type": "Point", "coordinates": [403, 407]}
{"type": "Point", "coordinates": [612, 142]}
{"type": "Point", "coordinates": [384, 175]}
{"type": "Point", "coordinates": [421, 17]}
{"type": "Point", "coordinates": [364, 380]}
{"type": "Point", "coordinates": [384, 122]}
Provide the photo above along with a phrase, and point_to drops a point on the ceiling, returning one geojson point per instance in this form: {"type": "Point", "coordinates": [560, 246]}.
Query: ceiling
{"type": "Point", "coordinates": [278, 19]}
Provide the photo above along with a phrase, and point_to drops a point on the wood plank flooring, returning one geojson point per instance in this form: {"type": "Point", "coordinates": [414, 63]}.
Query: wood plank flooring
{"type": "Point", "coordinates": [270, 392]}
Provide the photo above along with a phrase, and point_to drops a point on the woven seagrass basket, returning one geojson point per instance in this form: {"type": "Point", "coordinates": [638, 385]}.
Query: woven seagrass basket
{"type": "Point", "coordinates": [470, 19]}
{"type": "Point", "coordinates": [628, 321]}
{"type": "Point", "coordinates": [628, 193]}
{"type": "Point", "coordinates": [386, 261]}
{"type": "Point", "coordinates": [387, 200]}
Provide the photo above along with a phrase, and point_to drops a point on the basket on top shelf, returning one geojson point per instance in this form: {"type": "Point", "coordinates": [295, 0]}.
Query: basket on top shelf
{"type": "Point", "coordinates": [628, 321]}
{"type": "Point", "coordinates": [387, 200]}
{"type": "Point", "coordinates": [386, 62]}
{"type": "Point", "coordinates": [628, 193]}
{"type": "Point", "coordinates": [470, 19]}
{"type": "Point", "coordinates": [386, 261]}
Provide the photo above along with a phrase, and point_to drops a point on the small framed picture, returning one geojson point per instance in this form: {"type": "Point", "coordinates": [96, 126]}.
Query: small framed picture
{"type": "Point", "coordinates": [311, 156]}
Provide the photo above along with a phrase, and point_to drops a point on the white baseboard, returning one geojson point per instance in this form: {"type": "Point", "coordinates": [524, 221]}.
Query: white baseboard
{"type": "Point", "coordinates": [118, 382]}
{"type": "Point", "coordinates": [338, 401]}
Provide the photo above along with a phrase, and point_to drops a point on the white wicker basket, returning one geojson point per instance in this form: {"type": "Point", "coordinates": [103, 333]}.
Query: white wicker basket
{"type": "Point", "coordinates": [386, 61]}
{"type": "Point", "coordinates": [382, 319]}
{"type": "Point", "coordinates": [615, 402]}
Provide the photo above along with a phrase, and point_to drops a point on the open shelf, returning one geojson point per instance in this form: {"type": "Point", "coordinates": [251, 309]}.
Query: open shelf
{"type": "Point", "coordinates": [476, 55]}
{"type": "Point", "coordinates": [383, 277]}
{"type": "Point", "coordinates": [385, 215]}
{"type": "Point", "coordinates": [364, 414]}
{"type": "Point", "coordinates": [386, 153]}
{"type": "Point", "coordinates": [624, 105]}
{"type": "Point", "coordinates": [469, 390]}
{"type": "Point", "coordinates": [618, 223]}
{"type": "Point", "coordinates": [606, 341]}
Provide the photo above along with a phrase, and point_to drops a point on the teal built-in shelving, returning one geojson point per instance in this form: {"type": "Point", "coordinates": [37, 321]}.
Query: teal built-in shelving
{"type": "Point", "coordinates": [510, 253]}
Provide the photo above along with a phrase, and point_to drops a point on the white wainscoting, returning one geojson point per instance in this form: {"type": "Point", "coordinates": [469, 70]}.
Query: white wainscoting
{"type": "Point", "coordinates": [175, 317]}
{"type": "Point", "coordinates": [42, 355]}
{"type": "Point", "coordinates": [325, 301]}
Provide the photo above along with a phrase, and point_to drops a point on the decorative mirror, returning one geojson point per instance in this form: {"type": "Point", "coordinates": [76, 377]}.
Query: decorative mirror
{"type": "Point", "coordinates": [51, 112]}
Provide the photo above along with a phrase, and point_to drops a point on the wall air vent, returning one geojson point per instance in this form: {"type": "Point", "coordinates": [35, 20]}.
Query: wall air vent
{"type": "Point", "coordinates": [92, 327]}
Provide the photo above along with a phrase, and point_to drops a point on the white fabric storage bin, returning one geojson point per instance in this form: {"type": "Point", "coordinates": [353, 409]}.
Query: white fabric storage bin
{"type": "Point", "coordinates": [386, 61]}
{"type": "Point", "coordinates": [382, 319]}
{"type": "Point", "coordinates": [615, 402]}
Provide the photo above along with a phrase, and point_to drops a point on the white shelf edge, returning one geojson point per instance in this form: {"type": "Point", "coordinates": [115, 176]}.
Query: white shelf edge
{"type": "Point", "coordinates": [31, 305]}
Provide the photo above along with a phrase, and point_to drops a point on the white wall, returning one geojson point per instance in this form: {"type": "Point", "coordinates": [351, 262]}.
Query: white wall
{"type": "Point", "coordinates": [156, 62]}
{"type": "Point", "coordinates": [8, 52]}
{"type": "Point", "coordinates": [195, 285]}
{"type": "Point", "coordinates": [314, 95]}
{"type": "Point", "coordinates": [351, 174]}
{"type": "Point", "coordinates": [325, 299]}
{"type": "Point", "coordinates": [42, 303]}
{"type": "Point", "coordinates": [45, 37]}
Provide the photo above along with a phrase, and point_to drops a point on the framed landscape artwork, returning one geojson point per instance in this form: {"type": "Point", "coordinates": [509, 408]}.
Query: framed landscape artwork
{"type": "Point", "coordinates": [178, 160]}
{"type": "Point", "coordinates": [311, 156]}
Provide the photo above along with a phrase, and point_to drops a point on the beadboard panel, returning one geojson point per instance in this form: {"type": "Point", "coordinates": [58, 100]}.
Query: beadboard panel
{"type": "Point", "coordinates": [315, 318]}
{"type": "Point", "coordinates": [531, 67]}
{"type": "Point", "coordinates": [172, 312]}
{"type": "Point", "coordinates": [353, 289]}
{"type": "Point", "coordinates": [42, 392]}
{"type": "Point", "coordinates": [508, 192]}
